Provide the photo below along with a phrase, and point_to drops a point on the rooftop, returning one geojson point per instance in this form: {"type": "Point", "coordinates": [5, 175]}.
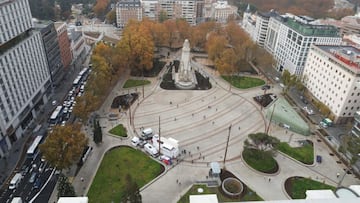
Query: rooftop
{"type": "Point", "coordinates": [349, 55]}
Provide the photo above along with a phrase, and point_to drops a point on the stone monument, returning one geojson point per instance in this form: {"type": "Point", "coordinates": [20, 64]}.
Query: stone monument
{"type": "Point", "coordinates": [185, 77]}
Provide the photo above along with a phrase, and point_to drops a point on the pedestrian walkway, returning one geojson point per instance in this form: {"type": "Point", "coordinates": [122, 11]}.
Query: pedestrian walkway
{"type": "Point", "coordinates": [202, 121]}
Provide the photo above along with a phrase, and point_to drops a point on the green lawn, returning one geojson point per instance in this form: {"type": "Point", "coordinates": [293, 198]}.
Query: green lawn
{"type": "Point", "coordinates": [109, 182]}
{"type": "Point", "coordinates": [134, 83]}
{"type": "Point", "coordinates": [304, 154]}
{"type": "Point", "coordinates": [260, 160]}
{"type": "Point", "coordinates": [249, 196]}
{"type": "Point", "coordinates": [299, 185]}
{"type": "Point", "coordinates": [243, 82]}
{"type": "Point", "coordinates": [119, 130]}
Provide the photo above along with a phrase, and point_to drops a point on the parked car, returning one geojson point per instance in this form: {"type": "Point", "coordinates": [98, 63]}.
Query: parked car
{"type": "Point", "coordinates": [265, 87]}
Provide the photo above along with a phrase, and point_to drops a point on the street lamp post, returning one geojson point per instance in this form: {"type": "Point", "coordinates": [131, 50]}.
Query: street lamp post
{"type": "Point", "coordinates": [227, 145]}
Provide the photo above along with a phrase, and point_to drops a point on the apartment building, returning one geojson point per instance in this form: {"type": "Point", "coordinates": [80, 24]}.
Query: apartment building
{"type": "Point", "coordinates": [64, 44]}
{"type": "Point", "coordinates": [24, 72]}
{"type": "Point", "coordinates": [333, 77]}
{"type": "Point", "coordinates": [52, 49]}
{"type": "Point", "coordinates": [150, 9]}
{"type": "Point", "coordinates": [126, 10]}
{"type": "Point", "coordinates": [221, 11]}
{"type": "Point", "coordinates": [288, 39]}
{"type": "Point", "coordinates": [350, 25]}
{"type": "Point", "coordinates": [188, 10]}
{"type": "Point", "coordinates": [256, 25]}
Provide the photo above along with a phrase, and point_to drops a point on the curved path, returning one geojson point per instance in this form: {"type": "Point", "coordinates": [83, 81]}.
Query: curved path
{"type": "Point", "coordinates": [200, 120]}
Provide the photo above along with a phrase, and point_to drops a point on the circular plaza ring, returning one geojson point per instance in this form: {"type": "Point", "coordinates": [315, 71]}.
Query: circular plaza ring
{"type": "Point", "coordinates": [232, 187]}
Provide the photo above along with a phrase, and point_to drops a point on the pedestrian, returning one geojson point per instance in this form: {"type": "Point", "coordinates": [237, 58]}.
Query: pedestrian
{"type": "Point", "coordinates": [337, 175]}
{"type": "Point", "coordinates": [198, 147]}
{"type": "Point", "coordinates": [177, 181]}
{"type": "Point", "coordinates": [269, 179]}
{"type": "Point", "coordinates": [82, 179]}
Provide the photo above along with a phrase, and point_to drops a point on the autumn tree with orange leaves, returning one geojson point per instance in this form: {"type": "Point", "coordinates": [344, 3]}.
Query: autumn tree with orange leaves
{"type": "Point", "coordinates": [63, 146]}
{"type": "Point", "coordinates": [100, 7]}
{"type": "Point", "coordinates": [136, 46]}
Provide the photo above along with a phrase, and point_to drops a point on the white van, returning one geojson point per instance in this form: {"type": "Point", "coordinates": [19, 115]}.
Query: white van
{"type": "Point", "coordinates": [135, 141]}
{"type": "Point", "coordinates": [147, 133]}
{"type": "Point", "coordinates": [15, 181]}
{"type": "Point", "coordinates": [17, 200]}
{"type": "Point", "coordinates": [151, 150]}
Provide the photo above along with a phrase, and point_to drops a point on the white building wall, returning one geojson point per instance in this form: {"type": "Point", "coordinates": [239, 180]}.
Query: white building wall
{"type": "Point", "coordinates": [290, 48]}
{"type": "Point", "coordinates": [149, 9]}
{"type": "Point", "coordinates": [15, 18]}
{"type": "Point", "coordinates": [188, 10]}
{"type": "Point", "coordinates": [23, 74]}
{"type": "Point", "coordinates": [332, 82]}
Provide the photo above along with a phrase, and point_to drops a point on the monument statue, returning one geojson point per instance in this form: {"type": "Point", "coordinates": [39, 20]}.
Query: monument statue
{"type": "Point", "coordinates": [185, 78]}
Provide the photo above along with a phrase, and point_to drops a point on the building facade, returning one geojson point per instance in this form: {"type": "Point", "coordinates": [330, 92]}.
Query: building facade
{"type": "Point", "coordinates": [64, 44]}
{"type": "Point", "coordinates": [288, 39]}
{"type": "Point", "coordinates": [24, 72]}
{"type": "Point", "coordinates": [333, 76]}
{"type": "Point", "coordinates": [221, 11]}
{"type": "Point", "coordinates": [52, 50]}
{"type": "Point", "coordinates": [350, 25]}
{"type": "Point", "coordinates": [150, 8]}
{"type": "Point", "coordinates": [126, 10]}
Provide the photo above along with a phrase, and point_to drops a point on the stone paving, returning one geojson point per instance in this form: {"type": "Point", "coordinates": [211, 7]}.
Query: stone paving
{"type": "Point", "coordinates": [200, 120]}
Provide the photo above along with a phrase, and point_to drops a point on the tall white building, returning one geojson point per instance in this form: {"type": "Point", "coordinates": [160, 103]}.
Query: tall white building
{"type": "Point", "coordinates": [188, 10]}
{"type": "Point", "coordinates": [221, 11]}
{"type": "Point", "coordinates": [256, 25]}
{"type": "Point", "coordinates": [24, 73]}
{"type": "Point", "coordinates": [126, 10]}
{"type": "Point", "coordinates": [150, 9]}
{"type": "Point", "coordinates": [333, 77]}
{"type": "Point", "coordinates": [289, 37]}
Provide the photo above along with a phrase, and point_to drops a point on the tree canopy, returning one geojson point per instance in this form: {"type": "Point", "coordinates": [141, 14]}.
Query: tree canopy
{"type": "Point", "coordinates": [137, 46]}
{"type": "Point", "coordinates": [261, 141]}
{"type": "Point", "coordinates": [63, 146]}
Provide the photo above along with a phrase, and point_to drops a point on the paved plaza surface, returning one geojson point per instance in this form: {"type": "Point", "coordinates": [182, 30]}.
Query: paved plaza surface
{"type": "Point", "coordinates": [201, 121]}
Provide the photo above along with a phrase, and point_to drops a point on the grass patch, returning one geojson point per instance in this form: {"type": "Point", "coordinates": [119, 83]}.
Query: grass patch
{"type": "Point", "coordinates": [297, 186]}
{"type": "Point", "coordinates": [119, 130]}
{"type": "Point", "coordinates": [243, 82]}
{"type": "Point", "coordinates": [109, 182]}
{"type": "Point", "coordinates": [260, 160]}
{"type": "Point", "coordinates": [135, 83]}
{"type": "Point", "coordinates": [304, 154]}
{"type": "Point", "coordinates": [249, 196]}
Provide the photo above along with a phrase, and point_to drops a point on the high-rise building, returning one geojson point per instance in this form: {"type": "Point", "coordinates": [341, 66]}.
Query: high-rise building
{"type": "Point", "coordinates": [221, 11]}
{"type": "Point", "coordinates": [289, 37]}
{"type": "Point", "coordinates": [350, 25]}
{"type": "Point", "coordinates": [64, 43]}
{"type": "Point", "coordinates": [150, 9]}
{"type": "Point", "coordinates": [332, 76]}
{"type": "Point", "coordinates": [52, 49]}
{"type": "Point", "coordinates": [126, 10]}
{"type": "Point", "coordinates": [24, 72]}
{"type": "Point", "coordinates": [188, 10]}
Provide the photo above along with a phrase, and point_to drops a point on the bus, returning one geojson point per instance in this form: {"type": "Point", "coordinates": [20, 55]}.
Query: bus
{"type": "Point", "coordinates": [77, 81]}
{"type": "Point", "coordinates": [33, 150]}
{"type": "Point", "coordinates": [55, 117]}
